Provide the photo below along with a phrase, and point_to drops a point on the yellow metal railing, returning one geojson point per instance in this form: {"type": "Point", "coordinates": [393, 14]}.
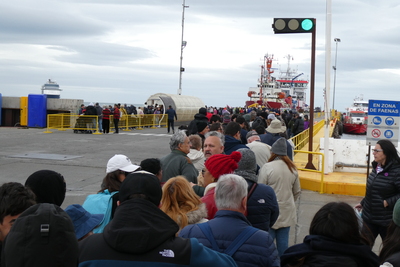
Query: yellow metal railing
{"type": "Point", "coordinates": [64, 121]}
{"type": "Point", "coordinates": [301, 140]}
{"type": "Point", "coordinates": [322, 161]}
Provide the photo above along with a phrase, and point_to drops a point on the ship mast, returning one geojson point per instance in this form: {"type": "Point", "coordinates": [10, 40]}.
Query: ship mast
{"type": "Point", "coordinates": [267, 64]}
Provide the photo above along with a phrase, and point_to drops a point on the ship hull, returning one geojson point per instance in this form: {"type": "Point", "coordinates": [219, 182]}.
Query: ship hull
{"type": "Point", "coordinates": [354, 128]}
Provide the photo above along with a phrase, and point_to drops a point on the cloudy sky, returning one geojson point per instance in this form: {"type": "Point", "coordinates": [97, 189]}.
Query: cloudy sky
{"type": "Point", "coordinates": [124, 51]}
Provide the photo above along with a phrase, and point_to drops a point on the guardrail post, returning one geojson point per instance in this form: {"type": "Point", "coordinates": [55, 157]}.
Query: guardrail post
{"type": "Point", "coordinates": [96, 131]}
{"type": "Point", "coordinates": [48, 122]}
{"type": "Point", "coordinates": [154, 121]}
{"type": "Point", "coordinates": [140, 122]}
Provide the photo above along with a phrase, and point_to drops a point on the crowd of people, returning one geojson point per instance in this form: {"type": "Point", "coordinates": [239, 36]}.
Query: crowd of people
{"type": "Point", "coordinates": [224, 196]}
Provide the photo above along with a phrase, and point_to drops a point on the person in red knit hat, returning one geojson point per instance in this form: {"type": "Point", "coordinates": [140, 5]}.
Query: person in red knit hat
{"type": "Point", "coordinates": [215, 166]}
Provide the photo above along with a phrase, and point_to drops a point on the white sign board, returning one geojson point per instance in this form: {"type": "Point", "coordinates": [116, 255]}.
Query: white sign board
{"type": "Point", "coordinates": [383, 121]}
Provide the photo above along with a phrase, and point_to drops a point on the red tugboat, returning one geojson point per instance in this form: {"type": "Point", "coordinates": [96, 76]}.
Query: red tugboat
{"type": "Point", "coordinates": [355, 121]}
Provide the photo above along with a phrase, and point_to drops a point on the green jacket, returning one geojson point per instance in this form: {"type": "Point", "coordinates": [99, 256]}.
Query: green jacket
{"type": "Point", "coordinates": [177, 163]}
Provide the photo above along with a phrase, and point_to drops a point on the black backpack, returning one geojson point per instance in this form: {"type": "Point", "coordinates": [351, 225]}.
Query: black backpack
{"type": "Point", "coordinates": [43, 235]}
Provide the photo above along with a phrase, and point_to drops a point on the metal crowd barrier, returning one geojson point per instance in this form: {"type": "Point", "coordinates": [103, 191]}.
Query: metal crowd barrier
{"type": "Point", "coordinates": [322, 162]}
{"type": "Point", "coordinates": [301, 140]}
{"type": "Point", "coordinates": [90, 123]}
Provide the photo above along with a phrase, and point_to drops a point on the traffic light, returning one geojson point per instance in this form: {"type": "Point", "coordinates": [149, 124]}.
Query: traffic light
{"type": "Point", "coordinates": [293, 25]}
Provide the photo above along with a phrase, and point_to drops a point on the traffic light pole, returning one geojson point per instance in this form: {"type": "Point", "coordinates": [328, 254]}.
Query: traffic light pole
{"type": "Point", "coordinates": [309, 164]}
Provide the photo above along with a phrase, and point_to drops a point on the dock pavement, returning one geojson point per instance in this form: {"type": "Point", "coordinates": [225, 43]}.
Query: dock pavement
{"type": "Point", "coordinates": [82, 159]}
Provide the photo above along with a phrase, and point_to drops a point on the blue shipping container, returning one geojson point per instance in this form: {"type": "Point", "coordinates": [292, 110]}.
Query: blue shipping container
{"type": "Point", "coordinates": [37, 111]}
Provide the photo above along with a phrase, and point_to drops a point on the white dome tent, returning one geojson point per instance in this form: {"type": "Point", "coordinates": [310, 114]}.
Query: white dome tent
{"type": "Point", "coordinates": [185, 106]}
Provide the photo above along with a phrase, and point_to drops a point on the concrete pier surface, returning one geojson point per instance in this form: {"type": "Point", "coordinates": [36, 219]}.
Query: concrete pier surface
{"type": "Point", "coordinates": [82, 159]}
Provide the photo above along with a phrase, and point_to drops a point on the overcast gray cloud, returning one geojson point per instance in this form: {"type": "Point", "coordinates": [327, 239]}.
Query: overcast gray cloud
{"type": "Point", "coordinates": [125, 51]}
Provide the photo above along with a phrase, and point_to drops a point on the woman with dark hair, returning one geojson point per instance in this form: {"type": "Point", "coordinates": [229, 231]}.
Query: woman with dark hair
{"type": "Point", "coordinates": [390, 253]}
{"type": "Point", "coordinates": [334, 240]}
{"type": "Point", "coordinates": [105, 201]}
{"type": "Point", "coordinates": [281, 174]}
{"type": "Point", "coordinates": [383, 190]}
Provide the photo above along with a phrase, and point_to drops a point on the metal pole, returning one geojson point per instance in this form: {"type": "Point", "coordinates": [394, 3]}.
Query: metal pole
{"type": "Point", "coordinates": [327, 82]}
{"type": "Point", "coordinates": [337, 40]}
{"type": "Point", "coordinates": [309, 164]}
{"type": "Point", "coordinates": [183, 44]}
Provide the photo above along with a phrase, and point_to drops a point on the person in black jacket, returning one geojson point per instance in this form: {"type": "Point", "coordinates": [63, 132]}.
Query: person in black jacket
{"type": "Point", "coordinates": [334, 240]}
{"type": "Point", "coordinates": [383, 190]}
{"type": "Point", "coordinates": [298, 124]}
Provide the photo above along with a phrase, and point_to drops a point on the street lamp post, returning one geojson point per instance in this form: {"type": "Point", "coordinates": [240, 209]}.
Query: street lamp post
{"type": "Point", "coordinates": [337, 40]}
{"type": "Point", "coordinates": [183, 45]}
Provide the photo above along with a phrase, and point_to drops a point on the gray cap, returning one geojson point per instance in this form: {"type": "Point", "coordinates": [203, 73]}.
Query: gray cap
{"type": "Point", "coordinates": [280, 147]}
{"type": "Point", "coordinates": [250, 134]}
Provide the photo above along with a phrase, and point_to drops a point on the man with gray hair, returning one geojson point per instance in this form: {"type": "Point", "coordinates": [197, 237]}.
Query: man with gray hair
{"type": "Point", "coordinates": [177, 162]}
{"type": "Point", "coordinates": [255, 248]}
{"type": "Point", "coordinates": [213, 144]}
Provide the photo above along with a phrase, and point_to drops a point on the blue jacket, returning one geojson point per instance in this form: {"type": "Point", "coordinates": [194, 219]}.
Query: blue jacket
{"type": "Point", "coordinates": [258, 250]}
{"type": "Point", "coordinates": [232, 144]}
{"type": "Point", "coordinates": [171, 114]}
{"type": "Point", "coordinates": [142, 235]}
{"type": "Point", "coordinates": [262, 206]}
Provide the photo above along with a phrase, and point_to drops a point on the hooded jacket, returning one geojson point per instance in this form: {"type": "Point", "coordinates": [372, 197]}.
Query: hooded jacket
{"type": "Point", "coordinates": [323, 251]}
{"type": "Point", "coordinates": [381, 186]}
{"type": "Point", "coordinates": [197, 158]}
{"type": "Point", "coordinates": [140, 232]}
{"type": "Point", "coordinates": [262, 206]}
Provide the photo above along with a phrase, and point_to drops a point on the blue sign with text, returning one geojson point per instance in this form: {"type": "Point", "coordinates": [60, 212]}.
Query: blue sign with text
{"type": "Point", "coordinates": [384, 108]}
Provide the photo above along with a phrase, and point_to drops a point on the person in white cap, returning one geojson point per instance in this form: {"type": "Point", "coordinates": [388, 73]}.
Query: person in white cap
{"type": "Point", "coordinates": [118, 167]}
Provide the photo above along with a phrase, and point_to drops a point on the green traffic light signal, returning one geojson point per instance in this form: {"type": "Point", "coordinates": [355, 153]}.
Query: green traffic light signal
{"type": "Point", "coordinates": [293, 25]}
{"type": "Point", "coordinates": [307, 24]}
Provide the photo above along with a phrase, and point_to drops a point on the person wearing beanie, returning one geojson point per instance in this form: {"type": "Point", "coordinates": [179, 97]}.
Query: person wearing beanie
{"type": "Point", "coordinates": [199, 117]}
{"type": "Point", "coordinates": [262, 206]}
{"type": "Point", "coordinates": [48, 186]}
{"type": "Point", "coordinates": [142, 234]}
{"type": "Point", "coordinates": [281, 174]}
{"type": "Point", "coordinates": [215, 166]}
{"type": "Point", "coordinates": [390, 252]}
{"type": "Point", "coordinates": [202, 129]}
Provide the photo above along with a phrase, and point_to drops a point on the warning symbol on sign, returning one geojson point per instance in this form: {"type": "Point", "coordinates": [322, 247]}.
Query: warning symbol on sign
{"type": "Point", "coordinates": [376, 133]}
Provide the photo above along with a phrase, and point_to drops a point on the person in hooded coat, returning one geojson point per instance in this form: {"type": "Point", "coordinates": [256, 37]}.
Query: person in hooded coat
{"type": "Point", "coordinates": [262, 206]}
{"type": "Point", "coordinates": [142, 235]}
